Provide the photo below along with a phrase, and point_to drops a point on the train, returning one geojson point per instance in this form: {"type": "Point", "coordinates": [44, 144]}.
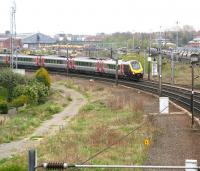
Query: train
{"type": "Point", "coordinates": [132, 69]}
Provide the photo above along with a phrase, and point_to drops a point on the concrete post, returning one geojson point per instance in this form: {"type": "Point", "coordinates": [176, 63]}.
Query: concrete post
{"type": "Point", "coordinates": [191, 163]}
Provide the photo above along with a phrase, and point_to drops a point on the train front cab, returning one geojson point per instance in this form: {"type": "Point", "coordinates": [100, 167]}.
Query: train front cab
{"type": "Point", "coordinates": [136, 70]}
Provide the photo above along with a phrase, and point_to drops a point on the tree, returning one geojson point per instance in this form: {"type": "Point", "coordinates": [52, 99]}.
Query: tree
{"type": "Point", "coordinates": [42, 75]}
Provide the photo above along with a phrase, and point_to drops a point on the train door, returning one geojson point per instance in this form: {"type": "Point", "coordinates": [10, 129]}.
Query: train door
{"type": "Point", "coordinates": [98, 66]}
{"type": "Point", "coordinates": [42, 61]}
{"type": "Point", "coordinates": [37, 61]}
{"type": "Point", "coordinates": [101, 66]}
{"type": "Point", "coordinates": [70, 63]}
{"type": "Point", "coordinates": [7, 60]}
{"type": "Point", "coordinates": [121, 69]}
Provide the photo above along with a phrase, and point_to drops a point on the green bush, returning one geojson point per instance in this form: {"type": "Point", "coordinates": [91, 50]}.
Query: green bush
{"type": "Point", "coordinates": [3, 93]}
{"type": "Point", "coordinates": [3, 107]}
{"type": "Point", "coordinates": [19, 90]}
{"type": "Point", "coordinates": [42, 75]}
{"type": "Point", "coordinates": [42, 90]}
{"type": "Point", "coordinates": [9, 80]}
{"type": "Point", "coordinates": [36, 92]}
{"type": "Point", "coordinates": [20, 101]}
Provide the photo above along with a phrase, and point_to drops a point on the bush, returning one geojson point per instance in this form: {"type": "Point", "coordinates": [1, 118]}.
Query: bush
{"type": "Point", "coordinates": [34, 90]}
{"type": "Point", "coordinates": [42, 75]}
{"type": "Point", "coordinates": [3, 107]}
{"type": "Point", "coordinates": [20, 101]}
{"type": "Point", "coordinates": [9, 80]}
{"type": "Point", "coordinates": [19, 90]}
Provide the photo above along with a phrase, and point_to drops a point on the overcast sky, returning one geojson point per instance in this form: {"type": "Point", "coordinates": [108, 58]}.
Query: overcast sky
{"type": "Point", "coordinates": [95, 16]}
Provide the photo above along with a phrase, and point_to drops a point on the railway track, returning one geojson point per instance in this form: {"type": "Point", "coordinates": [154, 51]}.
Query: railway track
{"type": "Point", "coordinates": [179, 95]}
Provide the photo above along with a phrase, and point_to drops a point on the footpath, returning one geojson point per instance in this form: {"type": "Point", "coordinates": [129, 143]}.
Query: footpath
{"type": "Point", "coordinates": [47, 128]}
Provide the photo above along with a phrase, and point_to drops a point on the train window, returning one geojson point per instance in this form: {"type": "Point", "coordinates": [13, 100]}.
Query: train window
{"type": "Point", "coordinates": [135, 65]}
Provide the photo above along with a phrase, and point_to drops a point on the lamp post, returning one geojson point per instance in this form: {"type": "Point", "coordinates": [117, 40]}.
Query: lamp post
{"type": "Point", "coordinates": [194, 60]}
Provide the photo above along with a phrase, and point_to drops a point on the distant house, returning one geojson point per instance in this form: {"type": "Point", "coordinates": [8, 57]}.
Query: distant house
{"type": "Point", "coordinates": [37, 40]}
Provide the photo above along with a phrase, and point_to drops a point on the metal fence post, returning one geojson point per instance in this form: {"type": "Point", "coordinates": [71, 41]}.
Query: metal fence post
{"type": "Point", "coordinates": [32, 160]}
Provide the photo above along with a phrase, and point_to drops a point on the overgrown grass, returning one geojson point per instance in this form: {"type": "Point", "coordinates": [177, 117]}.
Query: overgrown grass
{"type": "Point", "coordinates": [109, 115]}
{"type": "Point", "coordinates": [30, 117]}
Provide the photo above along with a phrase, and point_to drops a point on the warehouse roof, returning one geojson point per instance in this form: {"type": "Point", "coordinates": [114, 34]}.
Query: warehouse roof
{"type": "Point", "coordinates": [38, 38]}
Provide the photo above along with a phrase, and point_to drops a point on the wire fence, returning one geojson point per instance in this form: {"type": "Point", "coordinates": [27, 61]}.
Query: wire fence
{"type": "Point", "coordinates": [190, 165]}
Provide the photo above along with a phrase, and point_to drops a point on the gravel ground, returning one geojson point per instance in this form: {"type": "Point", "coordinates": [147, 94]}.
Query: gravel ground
{"type": "Point", "coordinates": [176, 142]}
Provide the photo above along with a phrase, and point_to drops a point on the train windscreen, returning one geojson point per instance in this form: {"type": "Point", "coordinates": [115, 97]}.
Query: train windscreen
{"type": "Point", "coordinates": [135, 65]}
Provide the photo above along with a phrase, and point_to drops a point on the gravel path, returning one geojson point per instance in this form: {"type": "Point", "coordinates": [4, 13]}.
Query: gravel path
{"type": "Point", "coordinates": [49, 127]}
{"type": "Point", "coordinates": [176, 141]}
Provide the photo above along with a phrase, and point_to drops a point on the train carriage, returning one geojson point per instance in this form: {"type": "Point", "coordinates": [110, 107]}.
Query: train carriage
{"type": "Point", "coordinates": [106, 67]}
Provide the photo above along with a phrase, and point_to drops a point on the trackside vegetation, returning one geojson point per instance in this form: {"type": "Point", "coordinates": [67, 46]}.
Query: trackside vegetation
{"type": "Point", "coordinates": [33, 100]}
{"type": "Point", "coordinates": [110, 114]}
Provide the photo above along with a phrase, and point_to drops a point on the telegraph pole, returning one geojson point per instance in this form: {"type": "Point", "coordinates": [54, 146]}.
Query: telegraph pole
{"type": "Point", "coordinates": [192, 95]}
{"type": "Point", "coordinates": [149, 57]}
{"type": "Point", "coordinates": [160, 66]}
{"type": "Point", "coordinates": [144, 67]}
{"type": "Point", "coordinates": [194, 60]}
{"type": "Point", "coordinates": [172, 67]}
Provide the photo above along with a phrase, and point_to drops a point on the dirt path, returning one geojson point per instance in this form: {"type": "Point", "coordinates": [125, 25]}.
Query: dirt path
{"type": "Point", "coordinates": [49, 127]}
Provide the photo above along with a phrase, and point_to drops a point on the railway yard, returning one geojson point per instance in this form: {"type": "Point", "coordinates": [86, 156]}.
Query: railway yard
{"type": "Point", "coordinates": [99, 85]}
{"type": "Point", "coordinates": [129, 117]}
{"type": "Point", "coordinates": [172, 140]}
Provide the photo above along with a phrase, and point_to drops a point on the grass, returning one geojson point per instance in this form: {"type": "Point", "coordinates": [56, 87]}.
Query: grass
{"type": "Point", "coordinates": [109, 115]}
{"type": "Point", "coordinates": [30, 117]}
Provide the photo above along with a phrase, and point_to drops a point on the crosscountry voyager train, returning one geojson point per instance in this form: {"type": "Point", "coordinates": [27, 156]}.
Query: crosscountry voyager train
{"type": "Point", "coordinates": [106, 67]}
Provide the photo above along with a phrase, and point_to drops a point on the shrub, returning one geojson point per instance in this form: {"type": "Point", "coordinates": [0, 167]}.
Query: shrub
{"type": "Point", "coordinates": [9, 80]}
{"type": "Point", "coordinates": [3, 93]}
{"type": "Point", "coordinates": [34, 90]}
{"type": "Point", "coordinates": [42, 90]}
{"type": "Point", "coordinates": [42, 75]}
{"type": "Point", "coordinates": [19, 90]}
{"type": "Point", "coordinates": [3, 107]}
{"type": "Point", "coordinates": [20, 101]}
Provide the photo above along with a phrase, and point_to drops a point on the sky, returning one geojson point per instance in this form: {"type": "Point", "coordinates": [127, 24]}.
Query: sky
{"type": "Point", "coordinates": [97, 16]}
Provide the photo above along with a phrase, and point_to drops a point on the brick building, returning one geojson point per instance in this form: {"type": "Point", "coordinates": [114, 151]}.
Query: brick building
{"type": "Point", "coordinates": [5, 43]}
